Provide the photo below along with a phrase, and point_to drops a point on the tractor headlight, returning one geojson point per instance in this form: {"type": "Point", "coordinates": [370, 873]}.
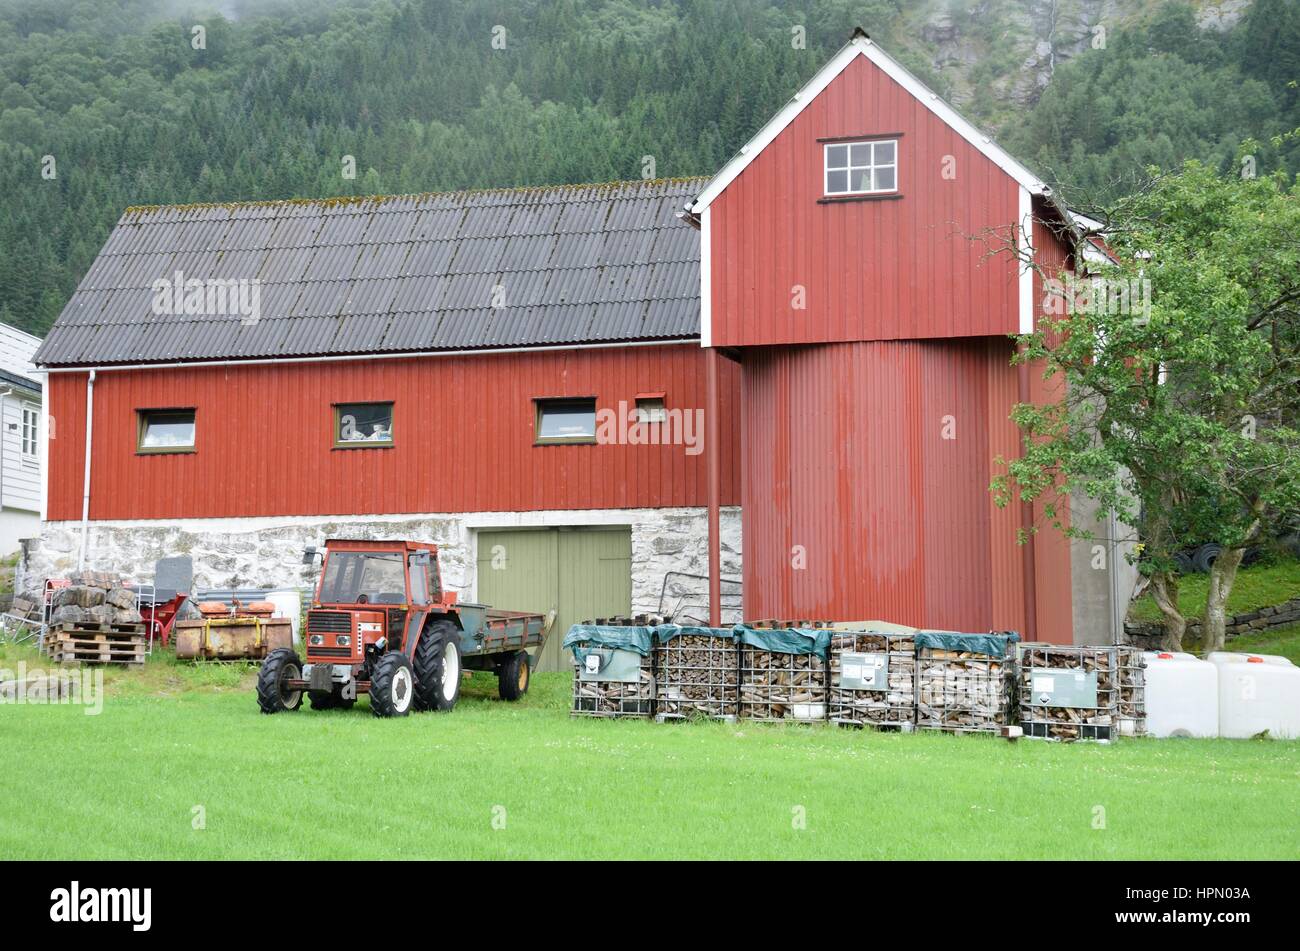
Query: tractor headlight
{"type": "Point", "coordinates": [343, 640]}
{"type": "Point", "coordinates": [316, 640]}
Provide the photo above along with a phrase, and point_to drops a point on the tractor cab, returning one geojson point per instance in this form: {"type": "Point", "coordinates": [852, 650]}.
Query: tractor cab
{"type": "Point", "coordinates": [368, 594]}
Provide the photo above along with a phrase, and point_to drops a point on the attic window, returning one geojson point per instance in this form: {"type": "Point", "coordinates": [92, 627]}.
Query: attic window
{"type": "Point", "coordinates": [165, 430]}
{"type": "Point", "coordinates": [862, 168]}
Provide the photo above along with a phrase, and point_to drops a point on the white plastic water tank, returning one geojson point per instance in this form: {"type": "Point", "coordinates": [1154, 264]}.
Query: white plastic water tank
{"type": "Point", "coordinates": [1257, 692]}
{"type": "Point", "coordinates": [288, 603]}
{"type": "Point", "coordinates": [1182, 695]}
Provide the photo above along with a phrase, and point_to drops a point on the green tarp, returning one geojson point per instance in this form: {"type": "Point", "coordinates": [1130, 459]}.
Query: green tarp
{"type": "Point", "coordinates": [786, 640]}
{"type": "Point", "coordinates": [993, 645]}
{"type": "Point", "coordinates": [583, 637]}
{"type": "Point", "coordinates": [666, 632]}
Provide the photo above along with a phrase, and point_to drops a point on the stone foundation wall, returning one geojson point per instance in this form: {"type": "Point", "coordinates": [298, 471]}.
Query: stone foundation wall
{"type": "Point", "coordinates": [1149, 634]}
{"type": "Point", "coordinates": [267, 552]}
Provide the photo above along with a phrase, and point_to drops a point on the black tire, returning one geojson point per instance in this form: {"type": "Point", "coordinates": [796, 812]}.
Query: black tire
{"type": "Point", "coordinates": [1206, 556]}
{"type": "Point", "coordinates": [514, 677]}
{"type": "Point", "coordinates": [437, 644]}
{"type": "Point", "coordinates": [280, 665]}
{"type": "Point", "coordinates": [392, 686]}
{"type": "Point", "coordinates": [1183, 562]}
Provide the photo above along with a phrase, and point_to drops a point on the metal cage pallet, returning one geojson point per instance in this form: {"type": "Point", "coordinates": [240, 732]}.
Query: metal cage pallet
{"type": "Point", "coordinates": [892, 706]}
{"type": "Point", "coordinates": [696, 675]}
{"type": "Point", "coordinates": [963, 692]}
{"type": "Point", "coordinates": [779, 686]}
{"type": "Point", "coordinates": [1080, 693]}
{"type": "Point", "coordinates": [613, 698]}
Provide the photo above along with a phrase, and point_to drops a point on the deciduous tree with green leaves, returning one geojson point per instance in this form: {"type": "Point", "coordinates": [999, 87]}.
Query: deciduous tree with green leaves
{"type": "Point", "coordinates": [1179, 415]}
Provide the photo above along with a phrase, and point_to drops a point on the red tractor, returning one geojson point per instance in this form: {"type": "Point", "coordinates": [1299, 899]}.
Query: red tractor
{"type": "Point", "coordinates": [382, 624]}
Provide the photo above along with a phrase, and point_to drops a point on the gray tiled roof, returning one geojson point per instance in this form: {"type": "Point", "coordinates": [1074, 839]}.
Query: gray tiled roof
{"type": "Point", "coordinates": [574, 264]}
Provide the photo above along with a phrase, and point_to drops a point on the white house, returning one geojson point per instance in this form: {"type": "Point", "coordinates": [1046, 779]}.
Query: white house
{"type": "Point", "coordinates": [20, 455]}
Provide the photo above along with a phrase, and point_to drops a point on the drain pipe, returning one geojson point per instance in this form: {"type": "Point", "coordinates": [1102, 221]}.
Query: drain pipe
{"type": "Point", "coordinates": [85, 485]}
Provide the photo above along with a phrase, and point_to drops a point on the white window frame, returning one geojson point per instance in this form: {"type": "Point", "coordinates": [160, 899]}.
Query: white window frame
{"type": "Point", "coordinates": [850, 167]}
{"type": "Point", "coordinates": [31, 424]}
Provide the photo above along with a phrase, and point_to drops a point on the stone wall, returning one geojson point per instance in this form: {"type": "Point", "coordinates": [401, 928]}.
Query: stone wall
{"type": "Point", "coordinates": [267, 552]}
{"type": "Point", "coordinates": [1149, 634]}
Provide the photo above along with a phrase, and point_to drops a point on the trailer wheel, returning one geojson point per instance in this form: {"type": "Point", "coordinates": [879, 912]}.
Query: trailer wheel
{"type": "Point", "coordinates": [437, 667]}
{"type": "Point", "coordinates": [392, 686]}
{"type": "Point", "coordinates": [280, 666]}
{"type": "Point", "coordinates": [514, 676]}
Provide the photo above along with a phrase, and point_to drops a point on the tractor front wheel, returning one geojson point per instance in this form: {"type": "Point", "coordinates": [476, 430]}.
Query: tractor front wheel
{"type": "Point", "coordinates": [392, 686]}
{"type": "Point", "coordinates": [438, 667]}
{"type": "Point", "coordinates": [273, 693]}
{"type": "Point", "coordinates": [514, 676]}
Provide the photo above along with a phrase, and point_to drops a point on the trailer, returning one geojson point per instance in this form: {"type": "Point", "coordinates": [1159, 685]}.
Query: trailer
{"type": "Point", "coordinates": [381, 623]}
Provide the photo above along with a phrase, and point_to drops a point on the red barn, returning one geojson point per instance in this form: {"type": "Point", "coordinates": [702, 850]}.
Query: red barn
{"type": "Point", "coordinates": [586, 401]}
{"type": "Point", "coordinates": [864, 260]}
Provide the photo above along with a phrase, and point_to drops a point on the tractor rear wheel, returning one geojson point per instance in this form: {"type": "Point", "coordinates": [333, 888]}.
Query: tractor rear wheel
{"type": "Point", "coordinates": [392, 686]}
{"type": "Point", "coordinates": [514, 676]}
{"type": "Point", "coordinates": [437, 667]}
{"type": "Point", "coordinates": [273, 694]}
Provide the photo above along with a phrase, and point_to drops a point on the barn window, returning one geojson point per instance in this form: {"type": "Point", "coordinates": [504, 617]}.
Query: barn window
{"type": "Point", "coordinates": [30, 424]}
{"type": "Point", "coordinates": [362, 425]}
{"type": "Point", "coordinates": [566, 420]}
{"type": "Point", "coordinates": [165, 430]}
{"type": "Point", "coordinates": [650, 408]}
{"type": "Point", "coordinates": [861, 168]}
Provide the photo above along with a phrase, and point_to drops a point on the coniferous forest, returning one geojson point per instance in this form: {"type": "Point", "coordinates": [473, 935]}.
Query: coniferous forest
{"type": "Point", "coordinates": [110, 103]}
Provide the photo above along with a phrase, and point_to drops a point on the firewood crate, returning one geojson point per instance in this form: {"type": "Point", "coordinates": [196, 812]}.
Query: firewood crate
{"type": "Point", "coordinates": [1132, 692]}
{"type": "Point", "coordinates": [1070, 693]}
{"type": "Point", "coordinates": [965, 683]}
{"type": "Point", "coordinates": [697, 670]}
{"type": "Point", "coordinates": [613, 674]}
{"type": "Point", "coordinates": [873, 680]}
{"type": "Point", "coordinates": [783, 673]}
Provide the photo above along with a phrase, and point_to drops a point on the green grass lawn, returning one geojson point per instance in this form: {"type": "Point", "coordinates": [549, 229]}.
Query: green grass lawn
{"type": "Point", "coordinates": [174, 738]}
{"type": "Point", "coordinates": [1258, 586]}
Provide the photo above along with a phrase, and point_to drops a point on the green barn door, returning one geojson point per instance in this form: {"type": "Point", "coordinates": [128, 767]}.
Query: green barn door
{"type": "Point", "coordinates": [581, 573]}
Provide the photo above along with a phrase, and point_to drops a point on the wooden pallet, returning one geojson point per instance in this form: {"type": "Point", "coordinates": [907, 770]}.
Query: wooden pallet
{"type": "Point", "coordinates": [97, 627]}
{"type": "Point", "coordinates": [80, 646]}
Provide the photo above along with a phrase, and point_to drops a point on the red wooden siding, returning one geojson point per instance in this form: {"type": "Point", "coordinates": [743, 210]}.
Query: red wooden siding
{"type": "Point", "coordinates": [843, 454]}
{"type": "Point", "coordinates": [873, 270]}
{"type": "Point", "coordinates": [463, 427]}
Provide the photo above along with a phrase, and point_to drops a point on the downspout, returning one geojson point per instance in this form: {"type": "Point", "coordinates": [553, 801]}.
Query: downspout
{"type": "Point", "coordinates": [712, 436]}
{"type": "Point", "coordinates": [85, 485]}
{"type": "Point", "coordinates": [1029, 574]}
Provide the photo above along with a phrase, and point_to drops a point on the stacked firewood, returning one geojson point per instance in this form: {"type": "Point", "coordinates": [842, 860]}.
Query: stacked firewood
{"type": "Point", "coordinates": [1132, 701]}
{"type": "Point", "coordinates": [962, 691]}
{"type": "Point", "coordinates": [614, 698]}
{"type": "Point", "coordinates": [778, 686]}
{"type": "Point", "coordinates": [890, 708]}
{"type": "Point", "coordinates": [697, 676]}
{"type": "Point", "coordinates": [1070, 723]}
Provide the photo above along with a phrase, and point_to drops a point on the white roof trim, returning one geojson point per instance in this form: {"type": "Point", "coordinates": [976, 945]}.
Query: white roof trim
{"type": "Point", "coordinates": [862, 46]}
